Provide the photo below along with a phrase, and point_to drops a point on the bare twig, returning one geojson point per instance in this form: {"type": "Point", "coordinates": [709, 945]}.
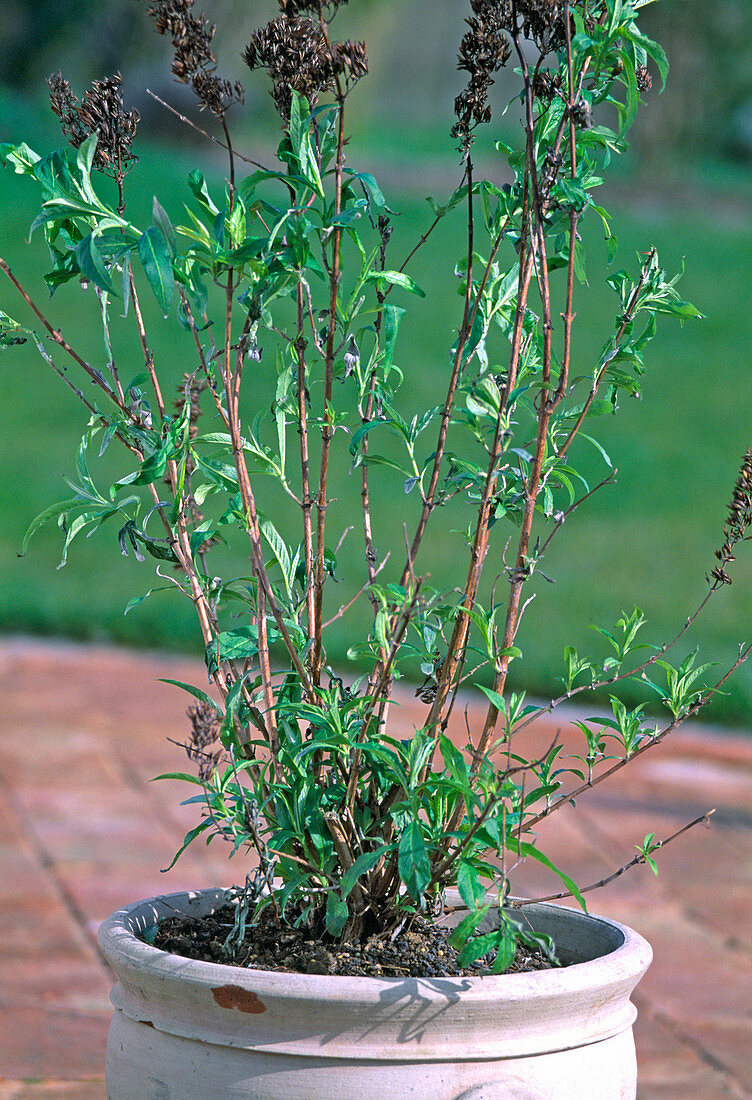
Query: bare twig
{"type": "Point", "coordinates": [203, 133]}
{"type": "Point", "coordinates": [641, 857]}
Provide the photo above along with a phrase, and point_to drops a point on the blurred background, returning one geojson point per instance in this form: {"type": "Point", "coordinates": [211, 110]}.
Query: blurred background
{"type": "Point", "coordinates": [685, 186]}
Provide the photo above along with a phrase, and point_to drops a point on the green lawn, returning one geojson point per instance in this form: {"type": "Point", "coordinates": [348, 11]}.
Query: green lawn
{"type": "Point", "coordinates": [648, 540]}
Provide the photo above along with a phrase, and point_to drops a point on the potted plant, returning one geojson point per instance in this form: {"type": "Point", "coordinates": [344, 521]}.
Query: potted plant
{"type": "Point", "coordinates": [367, 949]}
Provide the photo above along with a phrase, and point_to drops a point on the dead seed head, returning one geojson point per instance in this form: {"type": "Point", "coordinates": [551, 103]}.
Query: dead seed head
{"type": "Point", "coordinates": [644, 79]}
{"type": "Point", "coordinates": [297, 54]}
{"type": "Point", "coordinates": [484, 49]}
{"type": "Point", "coordinates": [293, 7]}
{"type": "Point", "coordinates": [487, 47]}
{"type": "Point", "coordinates": [194, 62]}
{"type": "Point", "coordinates": [101, 111]}
{"type": "Point", "coordinates": [739, 519]}
{"type": "Point", "coordinates": [546, 85]}
{"type": "Point", "coordinates": [205, 728]}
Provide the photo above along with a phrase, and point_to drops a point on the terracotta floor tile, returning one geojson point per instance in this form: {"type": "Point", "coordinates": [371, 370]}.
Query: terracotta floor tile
{"type": "Point", "coordinates": [40, 1042]}
{"type": "Point", "coordinates": [669, 1069]}
{"type": "Point", "coordinates": [54, 1089]}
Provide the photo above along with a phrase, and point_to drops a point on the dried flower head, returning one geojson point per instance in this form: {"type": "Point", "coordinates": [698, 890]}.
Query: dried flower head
{"type": "Point", "coordinates": [195, 62]}
{"type": "Point", "coordinates": [350, 60]}
{"type": "Point", "coordinates": [385, 232]}
{"type": "Point", "coordinates": [582, 114]}
{"type": "Point", "coordinates": [205, 728]}
{"type": "Point", "coordinates": [484, 49]}
{"type": "Point", "coordinates": [293, 7]}
{"type": "Point", "coordinates": [298, 57]}
{"type": "Point", "coordinates": [101, 111]}
{"type": "Point", "coordinates": [542, 22]}
{"type": "Point", "coordinates": [546, 85]}
{"type": "Point", "coordinates": [644, 79]}
{"type": "Point", "coordinates": [739, 519]}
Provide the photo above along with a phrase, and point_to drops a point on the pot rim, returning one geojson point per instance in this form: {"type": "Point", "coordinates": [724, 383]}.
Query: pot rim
{"type": "Point", "coordinates": [425, 1019]}
{"type": "Point", "coordinates": [120, 929]}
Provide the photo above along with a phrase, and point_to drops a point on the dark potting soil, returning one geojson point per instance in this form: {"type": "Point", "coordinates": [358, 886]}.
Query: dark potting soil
{"type": "Point", "coordinates": [420, 952]}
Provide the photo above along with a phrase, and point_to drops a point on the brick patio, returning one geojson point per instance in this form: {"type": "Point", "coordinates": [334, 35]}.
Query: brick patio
{"type": "Point", "coordinates": [83, 832]}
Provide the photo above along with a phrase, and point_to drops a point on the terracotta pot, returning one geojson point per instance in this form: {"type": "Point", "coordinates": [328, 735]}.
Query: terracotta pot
{"type": "Point", "coordinates": [184, 1029]}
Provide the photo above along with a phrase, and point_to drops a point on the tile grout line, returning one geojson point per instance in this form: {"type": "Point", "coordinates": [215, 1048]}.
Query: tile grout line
{"type": "Point", "coordinates": [645, 1007]}
{"type": "Point", "coordinates": [143, 788]}
{"type": "Point", "coordinates": [729, 943]}
{"type": "Point", "coordinates": [693, 917]}
{"type": "Point", "coordinates": [45, 861]}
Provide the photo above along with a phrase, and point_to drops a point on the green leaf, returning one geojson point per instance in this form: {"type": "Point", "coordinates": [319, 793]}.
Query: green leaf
{"type": "Point", "coordinates": [85, 154]}
{"type": "Point", "coordinates": [470, 887]}
{"type": "Point", "coordinates": [196, 692]}
{"type": "Point", "coordinates": [20, 156]}
{"type": "Point", "coordinates": [453, 758]}
{"type": "Point", "coordinates": [151, 470]}
{"type": "Point", "coordinates": [336, 914]}
{"type": "Point", "coordinates": [373, 189]}
{"type": "Point", "coordinates": [237, 644]}
{"type": "Point", "coordinates": [280, 551]}
{"type": "Point", "coordinates": [185, 777]}
{"type": "Point", "coordinates": [523, 848]}
{"type": "Point", "coordinates": [136, 601]}
{"type": "Point", "coordinates": [52, 512]}
{"type": "Point", "coordinates": [360, 866]}
{"type": "Point", "coordinates": [295, 128]}
{"type": "Point", "coordinates": [91, 264]}
{"type": "Point", "coordinates": [362, 431]}
{"type": "Point", "coordinates": [197, 184]}
{"type": "Point", "coordinates": [11, 333]}
{"type": "Point", "coordinates": [397, 278]}
{"type": "Point", "coordinates": [392, 317]}
{"type": "Point", "coordinates": [412, 861]}
{"type": "Point", "coordinates": [506, 943]}
{"type": "Point", "coordinates": [495, 698]}
{"type": "Point", "coordinates": [163, 223]}
{"type": "Point", "coordinates": [478, 946]}
{"type": "Point", "coordinates": [654, 50]}
{"type": "Point", "coordinates": [467, 926]}
{"type": "Point", "coordinates": [155, 256]}
{"type": "Point", "coordinates": [190, 836]}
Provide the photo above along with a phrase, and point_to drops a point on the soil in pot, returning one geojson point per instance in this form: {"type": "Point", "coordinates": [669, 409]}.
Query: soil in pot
{"type": "Point", "coordinates": [422, 951]}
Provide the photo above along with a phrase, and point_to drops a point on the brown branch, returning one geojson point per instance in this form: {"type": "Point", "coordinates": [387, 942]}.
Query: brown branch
{"type": "Point", "coordinates": [270, 718]}
{"type": "Point", "coordinates": [202, 358]}
{"type": "Point", "coordinates": [650, 742]}
{"type": "Point", "coordinates": [327, 430]}
{"type": "Point", "coordinates": [626, 320]}
{"type": "Point", "coordinates": [561, 516]}
{"type": "Point", "coordinates": [641, 857]}
{"type": "Point", "coordinates": [306, 502]}
{"type": "Point", "coordinates": [568, 316]}
{"type": "Point", "coordinates": [462, 338]}
{"type": "Point", "coordinates": [204, 133]}
{"type": "Point", "coordinates": [96, 376]}
{"type": "Point", "coordinates": [492, 801]}
{"type": "Point", "coordinates": [456, 649]}
{"type": "Point", "coordinates": [346, 606]}
{"type": "Point", "coordinates": [148, 357]}
{"type": "Point", "coordinates": [533, 485]}
{"type": "Point", "coordinates": [595, 685]}
{"type": "Point", "coordinates": [420, 243]}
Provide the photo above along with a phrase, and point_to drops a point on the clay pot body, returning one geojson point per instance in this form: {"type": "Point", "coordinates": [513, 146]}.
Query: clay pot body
{"type": "Point", "coordinates": [184, 1029]}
